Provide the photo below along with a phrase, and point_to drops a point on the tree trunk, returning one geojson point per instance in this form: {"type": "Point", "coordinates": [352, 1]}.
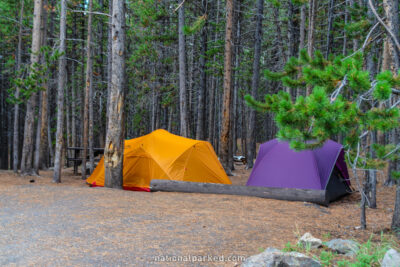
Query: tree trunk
{"type": "Point", "coordinates": [346, 19]}
{"type": "Point", "coordinates": [372, 51]}
{"type": "Point", "coordinates": [329, 35]}
{"type": "Point", "coordinates": [302, 27]}
{"type": "Point", "coordinates": [182, 72]}
{"type": "Point", "coordinates": [227, 95]}
{"type": "Point", "coordinates": [313, 5]}
{"type": "Point", "coordinates": [109, 57]}
{"type": "Point", "coordinates": [27, 149]}
{"type": "Point", "coordinates": [251, 136]}
{"type": "Point", "coordinates": [114, 150]}
{"type": "Point", "coordinates": [73, 107]}
{"type": "Point", "coordinates": [16, 106]}
{"type": "Point", "coordinates": [372, 175]}
{"type": "Point", "coordinates": [36, 155]}
{"type": "Point", "coordinates": [88, 88]}
{"type": "Point", "coordinates": [58, 164]}
{"type": "Point", "coordinates": [42, 100]}
{"type": "Point", "coordinates": [311, 32]}
{"type": "Point", "coordinates": [289, 194]}
{"type": "Point", "coordinates": [291, 31]}
{"type": "Point", "coordinates": [391, 57]}
{"type": "Point", "coordinates": [212, 92]}
{"type": "Point", "coordinates": [201, 109]}
{"type": "Point", "coordinates": [91, 119]}
{"type": "Point", "coordinates": [49, 141]}
{"type": "Point", "coordinates": [396, 212]}
{"type": "Point", "coordinates": [363, 217]}
{"type": "Point", "coordinates": [355, 40]}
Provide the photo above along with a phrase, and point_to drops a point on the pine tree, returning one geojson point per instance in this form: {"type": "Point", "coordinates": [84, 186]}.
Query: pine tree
{"type": "Point", "coordinates": [344, 101]}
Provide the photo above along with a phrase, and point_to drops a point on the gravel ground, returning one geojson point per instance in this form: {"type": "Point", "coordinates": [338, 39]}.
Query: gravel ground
{"type": "Point", "coordinates": [70, 224]}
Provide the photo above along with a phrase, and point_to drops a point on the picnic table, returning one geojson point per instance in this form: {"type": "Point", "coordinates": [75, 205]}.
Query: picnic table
{"type": "Point", "coordinates": [77, 158]}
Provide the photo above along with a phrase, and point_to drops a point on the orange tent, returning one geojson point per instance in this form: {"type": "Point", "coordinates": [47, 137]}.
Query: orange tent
{"type": "Point", "coordinates": [162, 155]}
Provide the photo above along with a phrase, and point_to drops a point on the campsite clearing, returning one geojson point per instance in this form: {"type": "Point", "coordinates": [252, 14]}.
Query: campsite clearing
{"type": "Point", "coordinates": [42, 223]}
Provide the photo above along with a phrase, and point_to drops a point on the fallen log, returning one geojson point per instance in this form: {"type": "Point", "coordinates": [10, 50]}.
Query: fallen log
{"type": "Point", "coordinates": [290, 194]}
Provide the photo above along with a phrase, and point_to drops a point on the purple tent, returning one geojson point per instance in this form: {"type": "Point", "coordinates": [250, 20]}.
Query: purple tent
{"type": "Point", "coordinates": [320, 169]}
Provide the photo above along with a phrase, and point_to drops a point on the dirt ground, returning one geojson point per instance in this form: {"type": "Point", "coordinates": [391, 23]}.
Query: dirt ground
{"type": "Point", "coordinates": [71, 224]}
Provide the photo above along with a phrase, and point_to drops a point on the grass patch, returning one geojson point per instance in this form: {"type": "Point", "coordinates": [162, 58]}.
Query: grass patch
{"type": "Point", "coordinates": [370, 253]}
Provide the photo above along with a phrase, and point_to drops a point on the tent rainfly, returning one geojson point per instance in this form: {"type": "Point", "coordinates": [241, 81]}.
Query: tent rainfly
{"type": "Point", "coordinates": [278, 166]}
{"type": "Point", "coordinates": [162, 155]}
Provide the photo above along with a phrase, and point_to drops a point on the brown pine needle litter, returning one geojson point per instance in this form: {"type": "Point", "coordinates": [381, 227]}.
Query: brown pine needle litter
{"type": "Point", "coordinates": [47, 224]}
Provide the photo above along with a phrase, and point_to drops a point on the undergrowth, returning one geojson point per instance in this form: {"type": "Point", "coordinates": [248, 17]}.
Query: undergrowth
{"type": "Point", "coordinates": [370, 253]}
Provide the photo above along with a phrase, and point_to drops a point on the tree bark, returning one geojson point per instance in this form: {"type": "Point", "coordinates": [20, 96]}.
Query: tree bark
{"type": "Point", "coordinates": [346, 19]}
{"type": "Point", "coordinates": [227, 87]}
{"type": "Point", "coordinates": [212, 92]}
{"type": "Point", "coordinates": [329, 35]}
{"type": "Point", "coordinates": [27, 149]}
{"type": "Point", "coordinates": [302, 27]}
{"type": "Point", "coordinates": [182, 72]}
{"type": "Point", "coordinates": [42, 122]}
{"type": "Point", "coordinates": [251, 136]}
{"type": "Point", "coordinates": [313, 5]}
{"type": "Point", "coordinates": [88, 88]}
{"type": "Point", "coordinates": [396, 212]}
{"type": "Point", "coordinates": [114, 150]}
{"type": "Point", "coordinates": [16, 106]}
{"type": "Point", "coordinates": [201, 109]}
{"type": "Point", "coordinates": [291, 31]}
{"type": "Point", "coordinates": [290, 194]}
{"type": "Point", "coordinates": [391, 8]}
{"type": "Point", "coordinates": [109, 58]}
{"type": "Point", "coordinates": [60, 94]}
{"type": "Point", "coordinates": [372, 175]}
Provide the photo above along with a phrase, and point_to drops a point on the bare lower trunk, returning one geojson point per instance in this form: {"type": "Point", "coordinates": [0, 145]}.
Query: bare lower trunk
{"type": "Point", "coordinates": [346, 19]}
{"type": "Point", "coordinates": [227, 96]}
{"type": "Point", "coordinates": [42, 100]}
{"type": "Point", "coordinates": [88, 86]}
{"type": "Point", "coordinates": [363, 217]}
{"type": "Point", "coordinates": [329, 35]}
{"type": "Point", "coordinates": [91, 118]}
{"type": "Point", "coordinates": [109, 57]}
{"type": "Point", "coordinates": [16, 106]}
{"type": "Point", "coordinates": [302, 37]}
{"type": "Point", "coordinates": [212, 92]}
{"type": "Point", "coordinates": [27, 149]}
{"type": "Point", "coordinates": [372, 175]}
{"type": "Point", "coordinates": [313, 4]}
{"type": "Point", "coordinates": [114, 149]}
{"type": "Point", "coordinates": [391, 8]}
{"type": "Point", "coordinates": [302, 27]}
{"type": "Point", "coordinates": [44, 164]}
{"type": "Point", "coordinates": [396, 212]}
{"type": "Point", "coordinates": [49, 142]}
{"type": "Point", "coordinates": [36, 158]}
{"type": "Point", "coordinates": [182, 73]}
{"type": "Point", "coordinates": [201, 108]}
{"type": "Point", "coordinates": [58, 163]}
{"type": "Point", "coordinates": [251, 142]}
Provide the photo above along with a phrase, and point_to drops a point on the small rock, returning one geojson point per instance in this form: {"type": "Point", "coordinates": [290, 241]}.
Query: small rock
{"type": "Point", "coordinates": [272, 257]}
{"type": "Point", "coordinates": [391, 259]}
{"type": "Point", "coordinates": [343, 246]}
{"type": "Point", "coordinates": [308, 240]}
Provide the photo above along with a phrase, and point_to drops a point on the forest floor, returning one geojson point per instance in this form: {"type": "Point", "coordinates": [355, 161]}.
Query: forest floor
{"type": "Point", "coordinates": [71, 224]}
